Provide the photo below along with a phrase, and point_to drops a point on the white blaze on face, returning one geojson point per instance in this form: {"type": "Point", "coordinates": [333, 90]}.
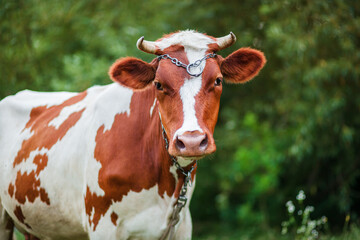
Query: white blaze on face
{"type": "Point", "coordinates": [195, 45]}
{"type": "Point", "coordinates": [188, 92]}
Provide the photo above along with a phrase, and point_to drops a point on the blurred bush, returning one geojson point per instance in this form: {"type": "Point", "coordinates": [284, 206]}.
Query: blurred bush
{"type": "Point", "coordinates": [296, 126]}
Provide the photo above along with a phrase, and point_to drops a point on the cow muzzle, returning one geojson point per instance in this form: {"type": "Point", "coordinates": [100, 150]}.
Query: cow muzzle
{"type": "Point", "coordinates": [192, 144]}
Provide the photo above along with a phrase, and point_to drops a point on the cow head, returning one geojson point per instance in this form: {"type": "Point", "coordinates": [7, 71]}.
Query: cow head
{"type": "Point", "coordinates": [188, 104]}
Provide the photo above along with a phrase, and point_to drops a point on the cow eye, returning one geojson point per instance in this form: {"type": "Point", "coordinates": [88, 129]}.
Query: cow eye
{"type": "Point", "coordinates": [218, 81]}
{"type": "Point", "coordinates": [158, 86]}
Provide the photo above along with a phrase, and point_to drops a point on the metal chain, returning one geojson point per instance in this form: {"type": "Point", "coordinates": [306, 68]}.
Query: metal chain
{"type": "Point", "coordinates": [190, 65]}
{"type": "Point", "coordinates": [173, 60]}
{"type": "Point", "coordinates": [182, 199]}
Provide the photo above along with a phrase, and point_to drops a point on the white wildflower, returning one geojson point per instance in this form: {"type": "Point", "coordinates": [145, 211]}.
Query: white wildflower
{"type": "Point", "coordinates": [315, 233]}
{"type": "Point", "coordinates": [312, 224]}
{"type": "Point", "coordinates": [309, 209]}
{"type": "Point", "coordinates": [300, 230]}
{"type": "Point", "coordinates": [301, 196]}
{"type": "Point", "coordinates": [290, 206]}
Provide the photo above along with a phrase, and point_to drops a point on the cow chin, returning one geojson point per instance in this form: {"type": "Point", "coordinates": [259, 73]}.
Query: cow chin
{"type": "Point", "coordinates": [186, 160]}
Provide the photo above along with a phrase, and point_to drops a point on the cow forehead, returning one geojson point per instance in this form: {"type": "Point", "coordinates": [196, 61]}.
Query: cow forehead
{"type": "Point", "coordinates": [191, 40]}
{"type": "Point", "coordinates": [194, 46]}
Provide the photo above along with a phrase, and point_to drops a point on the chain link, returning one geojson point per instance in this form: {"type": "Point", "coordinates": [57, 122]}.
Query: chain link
{"type": "Point", "coordinates": [190, 65]}
{"type": "Point", "coordinates": [173, 60]}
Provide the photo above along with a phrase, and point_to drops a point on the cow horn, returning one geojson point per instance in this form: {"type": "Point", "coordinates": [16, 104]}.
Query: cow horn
{"type": "Point", "coordinates": [226, 41]}
{"type": "Point", "coordinates": [146, 46]}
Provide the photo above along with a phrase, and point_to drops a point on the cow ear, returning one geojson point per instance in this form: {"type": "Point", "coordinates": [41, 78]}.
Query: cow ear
{"type": "Point", "coordinates": [242, 65]}
{"type": "Point", "coordinates": [133, 73]}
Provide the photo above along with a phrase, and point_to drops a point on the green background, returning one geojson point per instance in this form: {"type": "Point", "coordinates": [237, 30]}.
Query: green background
{"type": "Point", "coordinates": [296, 126]}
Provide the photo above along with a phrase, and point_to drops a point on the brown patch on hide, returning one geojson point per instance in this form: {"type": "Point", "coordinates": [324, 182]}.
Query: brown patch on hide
{"type": "Point", "coordinates": [45, 136]}
{"type": "Point", "coordinates": [133, 157]}
{"type": "Point", "coordinates": [27, 185]}
{"type": "Point", "coordinates": [20, 216]}
{"type": "Point", "coordinates": [114, 218]}
{"type": "Point", "coordinates": [41, 162]}
{"type": "Point", "coordinates": [11, 190]}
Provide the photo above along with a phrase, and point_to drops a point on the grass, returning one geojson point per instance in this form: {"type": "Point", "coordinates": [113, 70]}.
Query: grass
{"type": "Point", "coordinates": [18, 235]}
{"type": "Point", "coordinates": [219, 232]}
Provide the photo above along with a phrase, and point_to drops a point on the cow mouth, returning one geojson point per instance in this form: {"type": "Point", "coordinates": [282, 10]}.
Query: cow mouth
{"type": "Point", "coordinates": [187, 161]}
{"type": "Point", "coordinates": [191, 158]}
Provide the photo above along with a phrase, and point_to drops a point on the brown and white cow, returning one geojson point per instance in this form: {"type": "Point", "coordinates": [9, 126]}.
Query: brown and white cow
{"type": "Point", "coordinates": [94, 165]}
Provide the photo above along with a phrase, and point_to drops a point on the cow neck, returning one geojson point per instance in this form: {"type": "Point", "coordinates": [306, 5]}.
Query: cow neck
{"type": "Point", "coordinates": [152, 145]}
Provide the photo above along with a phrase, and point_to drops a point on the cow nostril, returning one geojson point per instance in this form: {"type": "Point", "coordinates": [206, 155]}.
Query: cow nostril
{"type": "Point", "coordinates": [179, 144]}
{"type": "Point", "coordinates": [204, 142]}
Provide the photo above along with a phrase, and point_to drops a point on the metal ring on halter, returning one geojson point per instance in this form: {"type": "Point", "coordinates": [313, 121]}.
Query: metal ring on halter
{"type": "Point", "coordinates": [193, 74]}
{"type": "Point", "coordinates": [187, 67]}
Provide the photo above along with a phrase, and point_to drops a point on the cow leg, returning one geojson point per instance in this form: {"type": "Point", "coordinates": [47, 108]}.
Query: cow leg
{"type": "Point", "coordinates": [6, 225]}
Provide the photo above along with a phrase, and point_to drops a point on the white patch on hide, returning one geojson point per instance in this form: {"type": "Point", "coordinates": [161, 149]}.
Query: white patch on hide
{"type": "Point", "coordinates": [188, 39]}
{"type": "Point", "coordinates": [141, 215]}
{"type": "Point", "coordinates": [174, 172]}
{"type": "Point", "coordinates": [152, 107]}
{"type": "Point", "coordinates": [67, 111]}
{"type": "Point", "coordinates": [115, 99]}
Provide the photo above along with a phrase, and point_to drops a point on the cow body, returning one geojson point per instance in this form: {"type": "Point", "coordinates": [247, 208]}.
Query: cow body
{"type": "Point", "coordinates": [55, 186]}
{"type": "Point", "coordinates": [95, 165]}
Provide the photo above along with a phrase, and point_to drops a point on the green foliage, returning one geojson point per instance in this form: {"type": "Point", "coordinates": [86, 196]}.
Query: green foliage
{"type": "Point", "coordinates": [249, 172]}
{"type": "Point", "coordinates": [305, 228]}
{"type": "Point", "coordinates": [296, 126]}
{"type": "Point", "coordinates": [221, 232]}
